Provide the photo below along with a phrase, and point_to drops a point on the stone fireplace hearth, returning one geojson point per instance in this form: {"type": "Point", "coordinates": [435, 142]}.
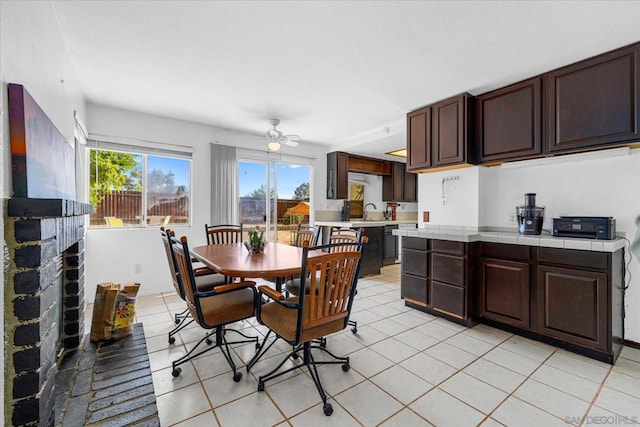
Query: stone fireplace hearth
{"type": "Point", "coordinates": [44, 301]}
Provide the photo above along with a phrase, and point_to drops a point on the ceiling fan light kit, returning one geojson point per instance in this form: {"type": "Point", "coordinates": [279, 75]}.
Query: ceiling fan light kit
{"type": "Point", "coordinates": [275, 138]}
{"type": "Point", "coordinates": [273, 145]}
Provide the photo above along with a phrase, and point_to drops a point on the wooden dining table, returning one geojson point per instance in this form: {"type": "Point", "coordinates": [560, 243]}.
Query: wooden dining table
{"type": "Point", "coordinates": [278, 261]}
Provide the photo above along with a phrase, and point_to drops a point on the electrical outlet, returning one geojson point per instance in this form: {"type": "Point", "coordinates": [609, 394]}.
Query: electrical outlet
{"type": "Point", "coordinates": [512, 217]}
{"type": "Point", "coordinates": [137, 269]}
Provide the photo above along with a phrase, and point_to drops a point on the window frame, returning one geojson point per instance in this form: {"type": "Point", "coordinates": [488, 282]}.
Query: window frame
{"type": "Point", "coordinates": [183, 153]}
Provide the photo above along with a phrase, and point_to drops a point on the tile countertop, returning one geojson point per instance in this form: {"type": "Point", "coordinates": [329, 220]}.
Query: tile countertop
{"type": "Point", "coordinates": [361, 223]}
{"type": "Point", "coordinates": [544, 240]}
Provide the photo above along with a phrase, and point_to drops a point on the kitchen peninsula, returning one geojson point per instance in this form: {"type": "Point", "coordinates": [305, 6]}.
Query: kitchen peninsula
{"type": "Point", "coordinates": [564, 291]}
{"type": "Point", "coordinates": [382, 247]}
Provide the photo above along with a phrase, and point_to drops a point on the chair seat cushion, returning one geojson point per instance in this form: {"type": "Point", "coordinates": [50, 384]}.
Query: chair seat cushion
{"type": "Point", "coordinates": [209, 281]}
{"type": "Point", "coordinates": [283, 322]}
{"type": "Point", "coordinates": [227, 307]}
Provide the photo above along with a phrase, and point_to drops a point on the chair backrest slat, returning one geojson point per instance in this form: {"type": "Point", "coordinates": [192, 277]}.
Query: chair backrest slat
{"type": "Point", "coordinates": [223, 234]}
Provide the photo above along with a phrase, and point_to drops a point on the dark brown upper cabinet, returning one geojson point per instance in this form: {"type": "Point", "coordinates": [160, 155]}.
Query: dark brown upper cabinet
{"type": "Point", "coordinates": [509, 122]}
{"type": "Point", "coordinates": [410, 188]}
{"type": "Point", "coordinates": [451, 134]}
{"type": "Point", "coordinates": [337, 175]}
{"type": "Point", "coordinates": [595, 103]}
{"type": "Point", "coordinates": [400, 186]}
{"type": "Point", "coordinates": [441, 134]}
{"type": "Point", "coordinates": [419, 139]}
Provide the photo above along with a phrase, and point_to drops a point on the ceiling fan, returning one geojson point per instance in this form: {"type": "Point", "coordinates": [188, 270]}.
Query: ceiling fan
{"type": "Point", "coordinates": [275, 138]}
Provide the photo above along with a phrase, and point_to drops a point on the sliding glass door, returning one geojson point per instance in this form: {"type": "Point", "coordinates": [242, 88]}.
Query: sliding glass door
{"type": "Point", "coordinates": [274, 197]}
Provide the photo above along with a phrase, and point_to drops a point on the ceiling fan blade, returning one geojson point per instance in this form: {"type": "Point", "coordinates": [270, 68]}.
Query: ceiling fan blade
{"type": "Point", "coordinates": [291, 143]}
{"type": "Point", "coordinates": [293, 137]}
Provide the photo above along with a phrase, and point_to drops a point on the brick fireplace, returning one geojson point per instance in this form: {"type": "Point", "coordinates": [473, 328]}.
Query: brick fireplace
{"type": "Point", "coordinates": [44, 301]}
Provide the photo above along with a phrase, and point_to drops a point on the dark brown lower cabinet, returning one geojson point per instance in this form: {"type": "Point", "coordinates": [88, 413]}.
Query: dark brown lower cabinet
{"type": "Point", "coordinates": [414, 287]}
{"type": "Point", "coordinates": [504, 291]}
{"type": "Point", "coordinates": [436, 275]}
{"type": "Point", "coordinates": [566, 297]}
{"type": "Point", "coordinates": [572, 306]}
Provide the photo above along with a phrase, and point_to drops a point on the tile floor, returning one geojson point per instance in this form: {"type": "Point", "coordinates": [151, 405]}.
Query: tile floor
{"type": "Point", "coordinates": [407, 368]}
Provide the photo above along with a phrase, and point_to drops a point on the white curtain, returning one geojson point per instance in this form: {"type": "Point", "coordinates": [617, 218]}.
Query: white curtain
{"type": "Point", "coordinates": [80, 136]}
{"type": "Point", "coordinates": [224, 184]}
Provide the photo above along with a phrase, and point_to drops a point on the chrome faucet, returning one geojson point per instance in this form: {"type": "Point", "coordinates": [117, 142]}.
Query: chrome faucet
{"type": "Point", "coordinates": [364, 210]}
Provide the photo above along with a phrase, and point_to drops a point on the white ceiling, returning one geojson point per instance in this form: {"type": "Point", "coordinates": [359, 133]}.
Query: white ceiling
{"type": "Point", "coordinates": [340, 73]}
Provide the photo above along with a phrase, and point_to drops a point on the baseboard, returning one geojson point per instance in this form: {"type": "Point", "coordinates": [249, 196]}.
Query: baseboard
{"type": "Point", "coordinates": [632, 344]}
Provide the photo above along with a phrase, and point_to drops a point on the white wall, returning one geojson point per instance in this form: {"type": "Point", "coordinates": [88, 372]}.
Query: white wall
{"type": "Point", "coordinates": [461, 202]}
{"type": "Point", "coordinates": [111, 255]}
{"type": "Point", "coordinates": [597, 187]}
{"type": "Point", "coordinates": [33, 54]}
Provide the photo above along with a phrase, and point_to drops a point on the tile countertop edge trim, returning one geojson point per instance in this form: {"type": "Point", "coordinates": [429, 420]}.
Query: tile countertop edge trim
{"type": "Point", "coordinates": [594, 245]}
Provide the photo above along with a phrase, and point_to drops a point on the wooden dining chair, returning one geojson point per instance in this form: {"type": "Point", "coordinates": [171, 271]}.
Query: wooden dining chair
{"type": "Point", "coordinates": [214, 309]}
{"type": "Point", "coordinates": [299, 320]}
{"type": "Point", "coordinates": [351, 239]}
{"type": "Point", "coordinates": [206, 280]}
{"type": "Point", "coordinates": [306, 233]}
{"type": "Point", "coordinates": [223, 234]}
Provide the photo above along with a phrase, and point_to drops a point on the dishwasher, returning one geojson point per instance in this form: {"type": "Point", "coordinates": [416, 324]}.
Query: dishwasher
{"type": "Point", "coordinates": [404, 227]}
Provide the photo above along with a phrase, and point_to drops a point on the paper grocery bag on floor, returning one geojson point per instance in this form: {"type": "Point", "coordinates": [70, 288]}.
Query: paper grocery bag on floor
{"type": "Point", "coordinates": [113, 311]}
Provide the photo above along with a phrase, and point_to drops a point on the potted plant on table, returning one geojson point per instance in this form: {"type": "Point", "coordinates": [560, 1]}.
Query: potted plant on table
{"type": "Point", "coordinates": [256, 243]}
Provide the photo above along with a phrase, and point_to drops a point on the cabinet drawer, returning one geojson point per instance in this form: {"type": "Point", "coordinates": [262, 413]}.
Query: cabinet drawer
{"type": "Point", "coordinates": [414, 243]}
{"type": "Point", "coordinates": [576, 258]}
{"type": "Point", "coordinates": [447, 268]}
{"type": "Point", "coordinates": [448, 247]}
{"type": "Point", "coordinates": [447, 299]}
{"type": "Point", "coordinates": [414, 262]}
{"type": "Point", "coordinates": [414, 288]}
{"type": "Point", "coordinates": [505, 251]}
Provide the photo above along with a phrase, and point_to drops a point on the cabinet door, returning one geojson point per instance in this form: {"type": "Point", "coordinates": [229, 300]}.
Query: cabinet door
{"type": "Point", "coordinates": [390, 248]}
{"type": "Point", "coordinates": [337, 175]}
{"type": "Point", "coordinates": [372, 253]}
{"type": "Point", "coordinates": [419, 139]}
{"type": "Point", "coordinates": [595, 102]}
{"type": "Point", "coordinates": [398, 181]}
{"type": "Point", "coordinates": [504, 291]}
{"type": "Point", "coordinates": [342, 176]}
{"type": "Point", "coordinates": [448, 136]}
{"type": "Point", "coordinates": [393, 185]}
{"type": "Point", "coordinates": [572, 306]}
{"type": "Point", "coordinates": [509, 123]}
{"type": "Point", "coordinates": [410, 192]}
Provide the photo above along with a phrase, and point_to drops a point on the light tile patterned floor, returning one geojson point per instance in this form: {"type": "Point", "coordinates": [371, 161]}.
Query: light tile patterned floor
{"type": "Point", "coordinates": [407, 368]}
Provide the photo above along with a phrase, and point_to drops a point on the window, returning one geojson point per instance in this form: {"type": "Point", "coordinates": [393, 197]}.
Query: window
{"type": "Point", "coordinates": [138, 189]}
{"type": "Point", "coordinates": [281, 210]}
